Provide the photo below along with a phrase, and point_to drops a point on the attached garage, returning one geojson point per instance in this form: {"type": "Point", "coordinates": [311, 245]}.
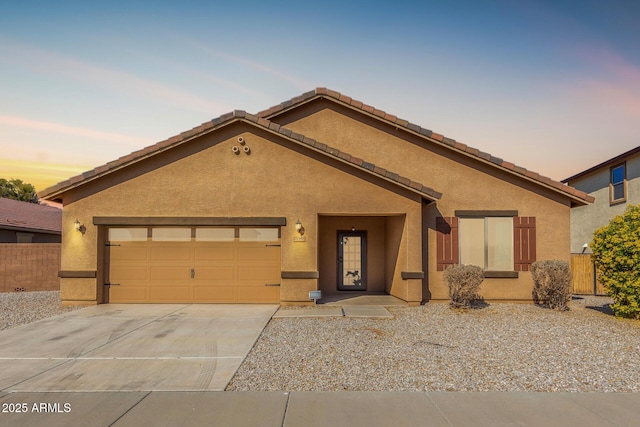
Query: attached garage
{"type": "Point", "coordinates": [193, 264]}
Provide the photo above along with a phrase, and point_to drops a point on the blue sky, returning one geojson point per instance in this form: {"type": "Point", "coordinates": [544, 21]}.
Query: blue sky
{"type": "Point", "coordinates": [553, 86]}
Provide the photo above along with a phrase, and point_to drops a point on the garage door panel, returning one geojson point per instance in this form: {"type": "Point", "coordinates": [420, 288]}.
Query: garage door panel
{"type": "Point", "coordinates": [219, 254]}
{"type": "Point", "coordinates": [222, 272]}
{"type": "Point", "coordinates": [259, 273]}
{"type": "Point", "coordinates": [163, 273]}
{"type": "Point", "coordinates": [128, 294]}
{"type": "Point", "coordinates": [170, 293]}
{"type": "Point", "coordinates": [129, 253]}
{"type": "Point", "coordinates": [129, 272]}
{"type": "Point", "coordinates": [218, 294]}
{"type": "Point", "coordinates": [170, 252]}
{"type": "Point", "coordinates": [253, 294]}
{"type": "Point", "coordinates": [263, 254]}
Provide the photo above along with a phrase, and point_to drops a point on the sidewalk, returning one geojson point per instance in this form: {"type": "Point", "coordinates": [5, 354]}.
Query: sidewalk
{"type": "Point", "coordinates": [310, 409]}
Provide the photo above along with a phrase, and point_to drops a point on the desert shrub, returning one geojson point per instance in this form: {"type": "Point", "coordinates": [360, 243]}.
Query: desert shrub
{"type": "Point", "coordinates": [551, 283]}
{"type": "Point", "coordinates": [616, 255]}
{"type": "Point", "coordinates": [464, 283]}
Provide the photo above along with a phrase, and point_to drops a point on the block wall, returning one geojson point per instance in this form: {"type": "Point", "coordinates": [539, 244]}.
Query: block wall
{"type": "Point", "coordinates": [29, 267]}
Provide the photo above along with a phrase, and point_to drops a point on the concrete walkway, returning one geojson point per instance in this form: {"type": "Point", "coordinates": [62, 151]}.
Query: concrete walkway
{"type": "Point", "coordinates": [367, 311]}
{"type": "Point", "coordinates": [310, 409]}
{"type": "Point", "coordinates": [347, 305]}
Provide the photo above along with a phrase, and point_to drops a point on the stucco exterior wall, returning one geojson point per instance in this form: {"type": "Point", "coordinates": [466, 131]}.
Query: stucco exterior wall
{"type": "Point", "coordinates": [587, 219]}
{"type": "Point", "coordinates": [466, 184]}
{"type": "Point", "coordinates": [206, 179]}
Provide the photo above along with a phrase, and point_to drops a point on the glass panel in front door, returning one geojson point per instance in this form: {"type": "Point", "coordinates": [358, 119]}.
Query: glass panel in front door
{"type": "Point", "coordinates": [351, 262]}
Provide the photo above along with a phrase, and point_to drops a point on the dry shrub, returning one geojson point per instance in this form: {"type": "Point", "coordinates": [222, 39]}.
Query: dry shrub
{"type": "Point", "coordinates": [464, 283]}
{"type": "Point", "coordinates": [551, 283]}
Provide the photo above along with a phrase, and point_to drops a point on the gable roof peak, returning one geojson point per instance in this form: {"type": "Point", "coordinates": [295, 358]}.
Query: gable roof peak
{"type": "Point", "coordinates": [322, 92]}
{"type": "Point", "coordinates": [256, 120]}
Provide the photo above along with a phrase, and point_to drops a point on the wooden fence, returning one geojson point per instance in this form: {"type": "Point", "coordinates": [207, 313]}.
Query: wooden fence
{"type": "Point", "coordinates": [584, 280]}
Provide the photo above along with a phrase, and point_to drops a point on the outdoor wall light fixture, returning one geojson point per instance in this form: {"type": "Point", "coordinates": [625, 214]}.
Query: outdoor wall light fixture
{"type": "Point", "coordinates": [299, 228]}
{"type": "Point", "coordinates": [79, 227]}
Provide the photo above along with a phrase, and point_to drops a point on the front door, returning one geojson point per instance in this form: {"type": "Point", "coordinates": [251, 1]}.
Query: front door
{"type": "Point", "coordinates": [352, 260]}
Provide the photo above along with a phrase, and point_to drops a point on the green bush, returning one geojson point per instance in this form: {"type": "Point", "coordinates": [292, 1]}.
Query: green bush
{"type": "Point", "coordinates": [616, 255]}
{"type": "Point", "coordinates": [464, 283]}
{"type": "Point", "coordinates": [551, 283]}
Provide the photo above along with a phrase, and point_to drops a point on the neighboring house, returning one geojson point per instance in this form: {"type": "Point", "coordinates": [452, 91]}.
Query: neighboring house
{"type": "Point", "coordinates": [614, 184]}
{"type": "Point", "coordinates": [30, 236]}
{"type": "Point", "coordinates": [321, 192]}
{"type": "Point", "coordinates": [22, 222]}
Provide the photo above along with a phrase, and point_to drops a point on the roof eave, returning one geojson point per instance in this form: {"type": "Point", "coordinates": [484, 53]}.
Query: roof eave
{"type": "Point", "coordinates": [29, 229]}
{"type": "Point", "coordinates": [612, 161]}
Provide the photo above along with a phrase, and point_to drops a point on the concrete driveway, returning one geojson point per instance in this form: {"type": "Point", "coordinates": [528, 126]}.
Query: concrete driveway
{"type": "Point", "coordinates": [122, 347]}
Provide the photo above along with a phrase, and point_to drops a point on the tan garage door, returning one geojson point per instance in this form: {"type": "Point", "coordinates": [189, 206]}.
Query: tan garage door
{"type": "Point", "coordinates": [184, 265]}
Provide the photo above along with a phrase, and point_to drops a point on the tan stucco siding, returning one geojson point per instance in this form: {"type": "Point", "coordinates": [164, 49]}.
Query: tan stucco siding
{"type": "Point", "coordinates": [465, 184]}
{"type": "Point", "coordinates": [273, 180]}
{"type": "Point", "coordinates": [587, 219]}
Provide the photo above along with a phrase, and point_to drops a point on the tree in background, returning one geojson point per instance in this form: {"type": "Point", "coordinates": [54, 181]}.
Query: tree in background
{"type": "Point", "coordinates": [17, 190]}
{"type": "Point", "coordinates": [616, 254]}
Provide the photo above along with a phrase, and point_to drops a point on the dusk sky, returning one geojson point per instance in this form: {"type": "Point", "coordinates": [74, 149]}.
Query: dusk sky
{"type": "Point", "coordinates": [553, 86]}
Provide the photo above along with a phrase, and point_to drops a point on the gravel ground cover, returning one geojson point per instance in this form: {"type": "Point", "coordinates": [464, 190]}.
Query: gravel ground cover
{"type": "Point", "coordinates": [19, 308]}
{"type": "Point", "coordinates": [500, 347]}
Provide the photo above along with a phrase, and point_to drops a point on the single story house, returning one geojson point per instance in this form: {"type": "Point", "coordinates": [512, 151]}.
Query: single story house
{"type": "Point", "coordinates": [23, 222]}
{"type": "Point", "coordinates": [614, 183]}
{"type": "Point", "coordinates": [30, 236]}
{"type": "Point", "coordinates": [321, 192]}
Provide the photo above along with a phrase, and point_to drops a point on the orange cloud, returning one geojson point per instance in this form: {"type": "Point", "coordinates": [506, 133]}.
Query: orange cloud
{"type": "Point", "coordinates": [41, 175]}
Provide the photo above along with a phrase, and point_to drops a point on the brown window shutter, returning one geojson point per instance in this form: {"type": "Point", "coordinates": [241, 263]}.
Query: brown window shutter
{"type": "Point", "coordinates": [524, 242]}
{"type": "Point", "coordinates": [447, 246]}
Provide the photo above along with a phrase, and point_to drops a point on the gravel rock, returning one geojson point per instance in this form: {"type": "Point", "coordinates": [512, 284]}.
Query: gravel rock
{"type": "Point", "coordinates": [501, 347]}
{"type": "Point", "coordinates": [19, 308]}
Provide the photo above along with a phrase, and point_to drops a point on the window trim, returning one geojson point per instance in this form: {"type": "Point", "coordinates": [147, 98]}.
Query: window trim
{"type": "Point", "coordinates": [489, 214]}
{"type": "Point", "coordinates": [623, 199]}
{"type": "Point", "coordinates": [501, 274]}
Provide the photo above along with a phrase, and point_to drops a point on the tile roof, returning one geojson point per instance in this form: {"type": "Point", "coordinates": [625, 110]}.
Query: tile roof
{"type": "Point", "coordinates": [262, 119]}
{"type": "Point", "coordinates": [239, 115]}
{"type": "Point", "coordinates": [454, 145]}
{"type": "Point", "coordinates": [30, 216]}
